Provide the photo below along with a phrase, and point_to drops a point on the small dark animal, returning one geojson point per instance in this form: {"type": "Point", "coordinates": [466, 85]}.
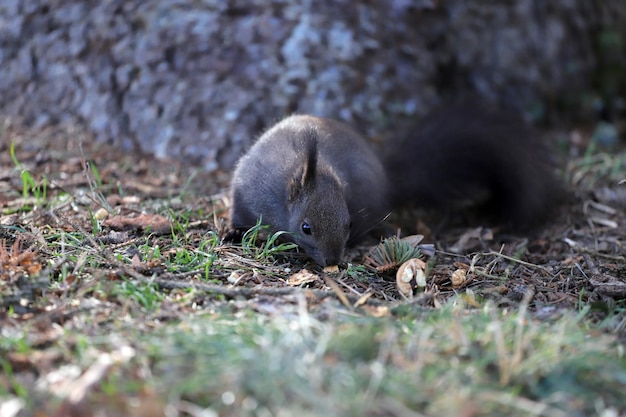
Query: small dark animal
{"type": "Point", "coordinates": [316, 179]}
{"type": "Point", "coordinates": [321, 182]}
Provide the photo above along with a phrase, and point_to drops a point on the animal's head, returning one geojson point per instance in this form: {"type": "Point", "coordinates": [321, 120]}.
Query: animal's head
{"type": "Point", "coordinates": [318, 213]}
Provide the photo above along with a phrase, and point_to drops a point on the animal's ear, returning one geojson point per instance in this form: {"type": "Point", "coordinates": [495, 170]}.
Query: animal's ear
{"type": "Point", "coordinates": [304, 175]}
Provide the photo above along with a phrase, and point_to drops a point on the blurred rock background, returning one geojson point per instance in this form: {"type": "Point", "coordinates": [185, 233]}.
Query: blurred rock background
{"type": "Point", "coordinates": [200, 79]}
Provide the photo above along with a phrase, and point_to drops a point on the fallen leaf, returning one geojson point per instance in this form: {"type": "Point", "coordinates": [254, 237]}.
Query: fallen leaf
{"type": "Point", "coordinates": [302, 277]}
{"type": "Point", "coordinates": [152, 223]}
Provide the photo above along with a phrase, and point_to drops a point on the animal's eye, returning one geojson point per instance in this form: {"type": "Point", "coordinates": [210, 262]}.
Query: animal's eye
{"type": "Point", "coordinates": [306, 228]}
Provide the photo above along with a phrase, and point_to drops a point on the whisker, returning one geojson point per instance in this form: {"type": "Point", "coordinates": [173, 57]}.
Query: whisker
{"type": "Point", "coordinates": [364, 227]}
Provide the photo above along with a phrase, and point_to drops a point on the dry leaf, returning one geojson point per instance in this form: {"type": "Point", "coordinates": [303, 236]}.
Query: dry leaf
{"type": "Point", "coordinates": [234, 277]}
{"type": "Point", "coordinates": [136, 261]}
{"type": "Point", "coordinates": [376, 311]}
{"type": "Point", "coordinates": [302, 277]}
{"type": "Point", "coordinates": [471, 238]}
{"type": "Point", "coordinates": [332, 269]}
{"type": "Point", "coordinates": [16, 261]}
{"type": "Point", "coordinates": [147, 222]}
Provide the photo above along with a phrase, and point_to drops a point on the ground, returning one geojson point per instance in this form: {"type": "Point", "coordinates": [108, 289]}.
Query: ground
{"type": "Point", "coordinates": [119, 297]}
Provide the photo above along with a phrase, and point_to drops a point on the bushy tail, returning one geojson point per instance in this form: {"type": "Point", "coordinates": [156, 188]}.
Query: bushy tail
{"type": "Point", "coordinates": [470, 152]}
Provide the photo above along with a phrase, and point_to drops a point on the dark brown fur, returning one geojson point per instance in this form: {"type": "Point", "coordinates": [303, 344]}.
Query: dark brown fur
{"type": "Point", "coordinates": [318, 180]}
{"type": "Point", "coordinates": [316, 171]}
{"type": "Point", "coordinates": [471, 153]}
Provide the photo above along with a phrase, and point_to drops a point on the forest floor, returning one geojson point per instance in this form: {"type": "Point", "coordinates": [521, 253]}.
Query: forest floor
{"type": "Point", "coordinates": [118, 297]}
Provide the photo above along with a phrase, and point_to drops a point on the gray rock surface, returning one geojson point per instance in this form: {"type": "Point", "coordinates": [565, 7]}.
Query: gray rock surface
{"type": "Point", "coordinates": [200, 79]}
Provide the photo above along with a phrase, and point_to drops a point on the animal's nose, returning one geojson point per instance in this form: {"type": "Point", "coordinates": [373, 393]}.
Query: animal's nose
{"type": "Point", "coordinates": [331, 262]}
{"type": "Point", "coordinates": [331, 259]}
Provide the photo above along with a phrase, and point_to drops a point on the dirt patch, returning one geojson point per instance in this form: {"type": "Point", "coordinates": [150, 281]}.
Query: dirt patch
{"type": "Point", "coordinates": [119, 205]}
{"type": "Point", "coordinates": [118, 294]}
